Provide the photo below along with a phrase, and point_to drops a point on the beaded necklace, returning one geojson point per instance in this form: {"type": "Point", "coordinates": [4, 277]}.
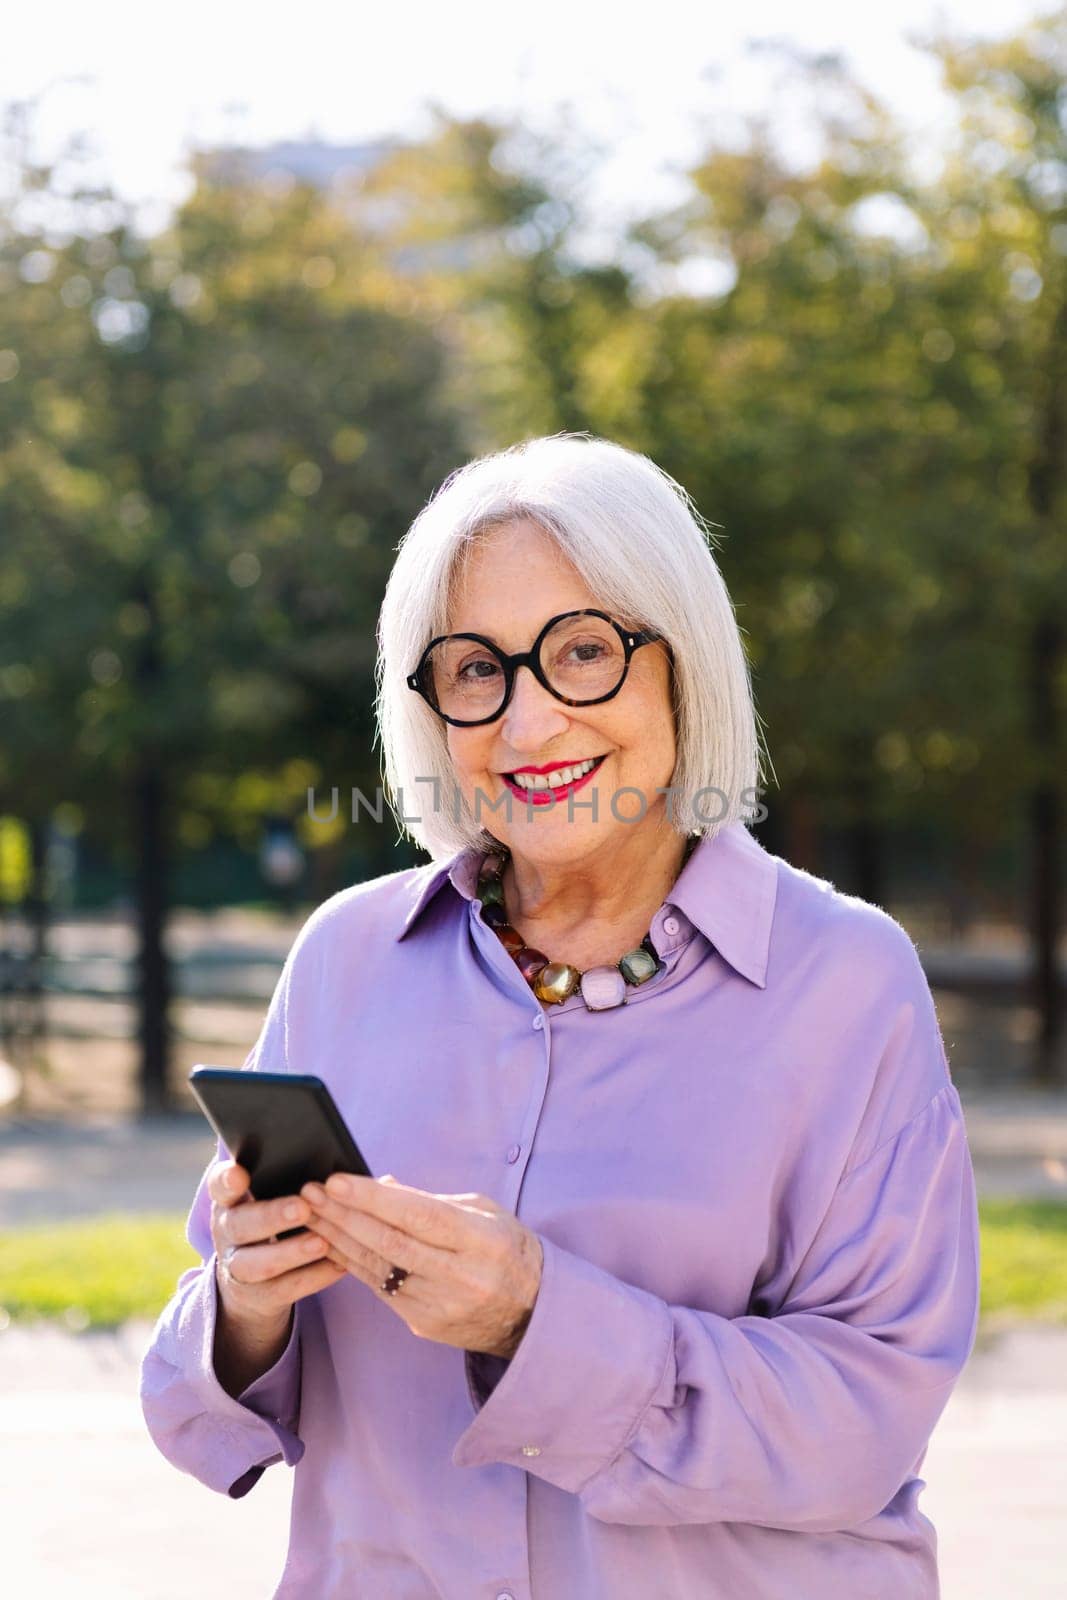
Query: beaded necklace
{"type": "Point", "coordinates": [602, 988]}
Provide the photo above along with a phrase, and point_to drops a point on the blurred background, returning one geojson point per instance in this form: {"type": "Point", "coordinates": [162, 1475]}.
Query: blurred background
{"type": "Point", "coordinates": [261, 290]}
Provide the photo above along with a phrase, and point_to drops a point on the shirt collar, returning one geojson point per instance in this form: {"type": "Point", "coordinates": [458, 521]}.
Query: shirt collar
{"type": "Point", "coordinates": [727, 889]}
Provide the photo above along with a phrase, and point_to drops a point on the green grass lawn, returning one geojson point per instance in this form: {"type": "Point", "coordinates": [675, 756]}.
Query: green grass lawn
{"type": "Point", "coordinates": [94, 1273]}
{"type": "Point", "coordinates": [1024, 1258]}
{"type": "Point", "coordinates": [98, 1273]}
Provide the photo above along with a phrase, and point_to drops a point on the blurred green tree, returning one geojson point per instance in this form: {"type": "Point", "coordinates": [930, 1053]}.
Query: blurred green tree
{"type": "Point", "coordinates": [215, 439]}
{"type": "Point", "coordinates": [1000, 209]}
{"type": "Point", "coordinates": [879, 394]}
{"type": "Point", "coordinates": [211, 440]}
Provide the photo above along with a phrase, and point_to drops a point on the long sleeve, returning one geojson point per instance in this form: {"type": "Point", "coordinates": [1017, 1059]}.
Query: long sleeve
{"type": "Point", "coordinates": [224, 1442]}
{"type": "Point", "coordinates": [808, 1418]}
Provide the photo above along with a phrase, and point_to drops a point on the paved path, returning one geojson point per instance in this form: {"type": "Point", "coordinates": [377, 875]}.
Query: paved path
{"type": "Point", "coordinates": [93, 1512]}
{"type": "Point", "coordinates": [91, 1509]}
{"type": "Point", "coordinates": [236, 951]}
{"type": "Point", "coordinates": [59, 1169]}
{"type": "Point", "coordinates": [225, 965]}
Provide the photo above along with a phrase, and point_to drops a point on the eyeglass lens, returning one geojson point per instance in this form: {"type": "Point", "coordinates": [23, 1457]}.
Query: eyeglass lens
{"type": "Point", "coordinates": [582, 657]}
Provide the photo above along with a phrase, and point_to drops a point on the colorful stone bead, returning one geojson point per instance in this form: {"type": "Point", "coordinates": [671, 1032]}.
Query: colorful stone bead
{"type": "Point", "coordinates": [510, 938]}
{"type": "Point", "coordinates": [556, 982]}
{"type": "Point", "coordinates": [603, 988]}
{"type": "Point", "coordinates": [530, 962]}
{"type": "Point", "coordinates": [637, 966]}
{"type": "Point", "coordinates": [491, 892]}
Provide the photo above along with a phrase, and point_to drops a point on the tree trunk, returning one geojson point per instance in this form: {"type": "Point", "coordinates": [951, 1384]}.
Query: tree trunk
{"type": "Point", "coordinates": [801, 832]}
{"type": "Point", "coordinates": [1046, 648]}
{"type": "Point", "coordinates": [1045, 817]}
{"type": "Point", "coordinates": [153, 989]}
{"type": "Point", "coordinates": [37, 917]}
{"type": "Point", "coordinates": [864, 836]}
{"type": "Point", "coordinates": [867, 864]}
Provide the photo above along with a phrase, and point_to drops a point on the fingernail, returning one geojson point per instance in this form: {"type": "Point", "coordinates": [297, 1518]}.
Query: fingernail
{"type": "Point", "coordinates": [229, 1179]}
{"type": "Point", "coordinates": [292, 1211]}
{"type": "Point", "coordinates": [338, 1184]}
{"type": "Point", "coordinates": [312, 1192]}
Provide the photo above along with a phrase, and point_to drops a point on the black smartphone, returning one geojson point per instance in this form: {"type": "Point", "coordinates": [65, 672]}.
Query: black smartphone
{"type": "Point", "coordinates": [283, 1128]}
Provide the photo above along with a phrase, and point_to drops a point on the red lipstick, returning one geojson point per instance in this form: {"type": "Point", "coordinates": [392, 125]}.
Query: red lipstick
{"type": "Point", "coordinates": [556, 765]}
{"type": "Point", "coordinates": [547, 796]}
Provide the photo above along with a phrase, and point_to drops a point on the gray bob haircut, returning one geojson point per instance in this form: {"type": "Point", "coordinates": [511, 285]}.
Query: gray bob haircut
{"type": "Point", "coordinates": [642, 549]}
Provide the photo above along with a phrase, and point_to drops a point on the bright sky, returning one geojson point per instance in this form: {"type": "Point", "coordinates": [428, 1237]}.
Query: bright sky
{"type": "Point", "coordinates": [654, 83]}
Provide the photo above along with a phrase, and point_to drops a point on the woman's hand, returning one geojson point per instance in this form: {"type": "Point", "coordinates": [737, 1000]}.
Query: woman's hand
{"type": "Point", "coordinates": [260, 1277]}
{"type": "Point", "coordinates": [474, 1268]}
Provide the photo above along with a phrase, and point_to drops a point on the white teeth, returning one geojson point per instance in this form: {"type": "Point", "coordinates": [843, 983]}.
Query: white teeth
{"type": "Point", "coordinates": [553, 780]}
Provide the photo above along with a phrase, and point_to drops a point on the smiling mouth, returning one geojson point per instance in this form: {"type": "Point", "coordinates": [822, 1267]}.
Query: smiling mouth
{"type": "Point", "coordinates": [561, 778]}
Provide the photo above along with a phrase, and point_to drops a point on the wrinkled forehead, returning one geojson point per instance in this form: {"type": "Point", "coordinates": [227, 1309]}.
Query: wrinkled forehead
{"type": "Point", "coordinates": [508, 579]}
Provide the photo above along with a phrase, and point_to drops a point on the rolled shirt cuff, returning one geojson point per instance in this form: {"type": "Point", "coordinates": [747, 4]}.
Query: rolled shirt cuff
{"type": "Point", "coordinates": [224, 1442]}
{"type": "Point", "coordinates": [579, 1383]}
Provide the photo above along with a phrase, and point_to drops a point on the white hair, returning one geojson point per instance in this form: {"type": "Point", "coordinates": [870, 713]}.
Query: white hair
{"type": "Point", "coordinates": [643, 550]}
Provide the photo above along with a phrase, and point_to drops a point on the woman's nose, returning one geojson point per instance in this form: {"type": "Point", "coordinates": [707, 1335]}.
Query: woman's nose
{"type": "Point", "coordinates": [532, 715]}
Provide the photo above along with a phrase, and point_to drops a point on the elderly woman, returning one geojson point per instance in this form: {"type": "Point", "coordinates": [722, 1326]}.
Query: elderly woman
{"type": "Point", "coordinates": [663, 1304]}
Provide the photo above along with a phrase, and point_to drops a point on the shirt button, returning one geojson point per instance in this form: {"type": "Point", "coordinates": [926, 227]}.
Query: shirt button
{"type": "Point", "coordinates": [531, 1449]}
{"type": "Point", "coordinates": [539, 1020]}
{"type": "Point", "coordinates": [671, 925]}
{"type": "Point", "coordinates": [513, 1153]}
{"type": "Point", "coordinates": [505, 1594]}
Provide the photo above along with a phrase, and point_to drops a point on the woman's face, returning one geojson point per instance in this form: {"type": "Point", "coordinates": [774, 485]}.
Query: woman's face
{"type": "Point", "coordinates": [516, 579]}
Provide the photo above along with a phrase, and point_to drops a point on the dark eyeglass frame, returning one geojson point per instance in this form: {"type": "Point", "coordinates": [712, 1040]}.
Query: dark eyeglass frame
{"type": "Point", "coordinates": [631, 641]}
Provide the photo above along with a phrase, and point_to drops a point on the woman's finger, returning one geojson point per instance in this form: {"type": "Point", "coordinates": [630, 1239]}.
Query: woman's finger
{"type": "Point", "coordinates": [370, 1234]}
{"type": "Point", "coordinates": [227, 1183]}
{"type": "Point", "coordinates": [364, 1264]}
{"type": "Point", "coordinates": [256, 1263]}
{"type": "Point", "coordinates": [259, 1219]}
{"type": "Point", "coordinates": [274, 1294]}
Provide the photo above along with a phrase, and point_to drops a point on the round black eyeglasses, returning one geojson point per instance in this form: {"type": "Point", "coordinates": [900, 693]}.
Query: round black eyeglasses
{"type": "Point", "coordinates": [445, 681]}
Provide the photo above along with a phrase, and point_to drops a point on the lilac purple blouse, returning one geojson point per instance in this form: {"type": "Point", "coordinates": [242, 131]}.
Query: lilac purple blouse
{"type": "Point", "coordinates": [757, 1210]}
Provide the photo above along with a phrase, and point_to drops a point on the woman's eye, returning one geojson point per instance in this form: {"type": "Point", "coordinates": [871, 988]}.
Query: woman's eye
{"type": "Point", "coordinates": [468, 670]}
{"type": "Point", "coordinates": [586, 654]}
